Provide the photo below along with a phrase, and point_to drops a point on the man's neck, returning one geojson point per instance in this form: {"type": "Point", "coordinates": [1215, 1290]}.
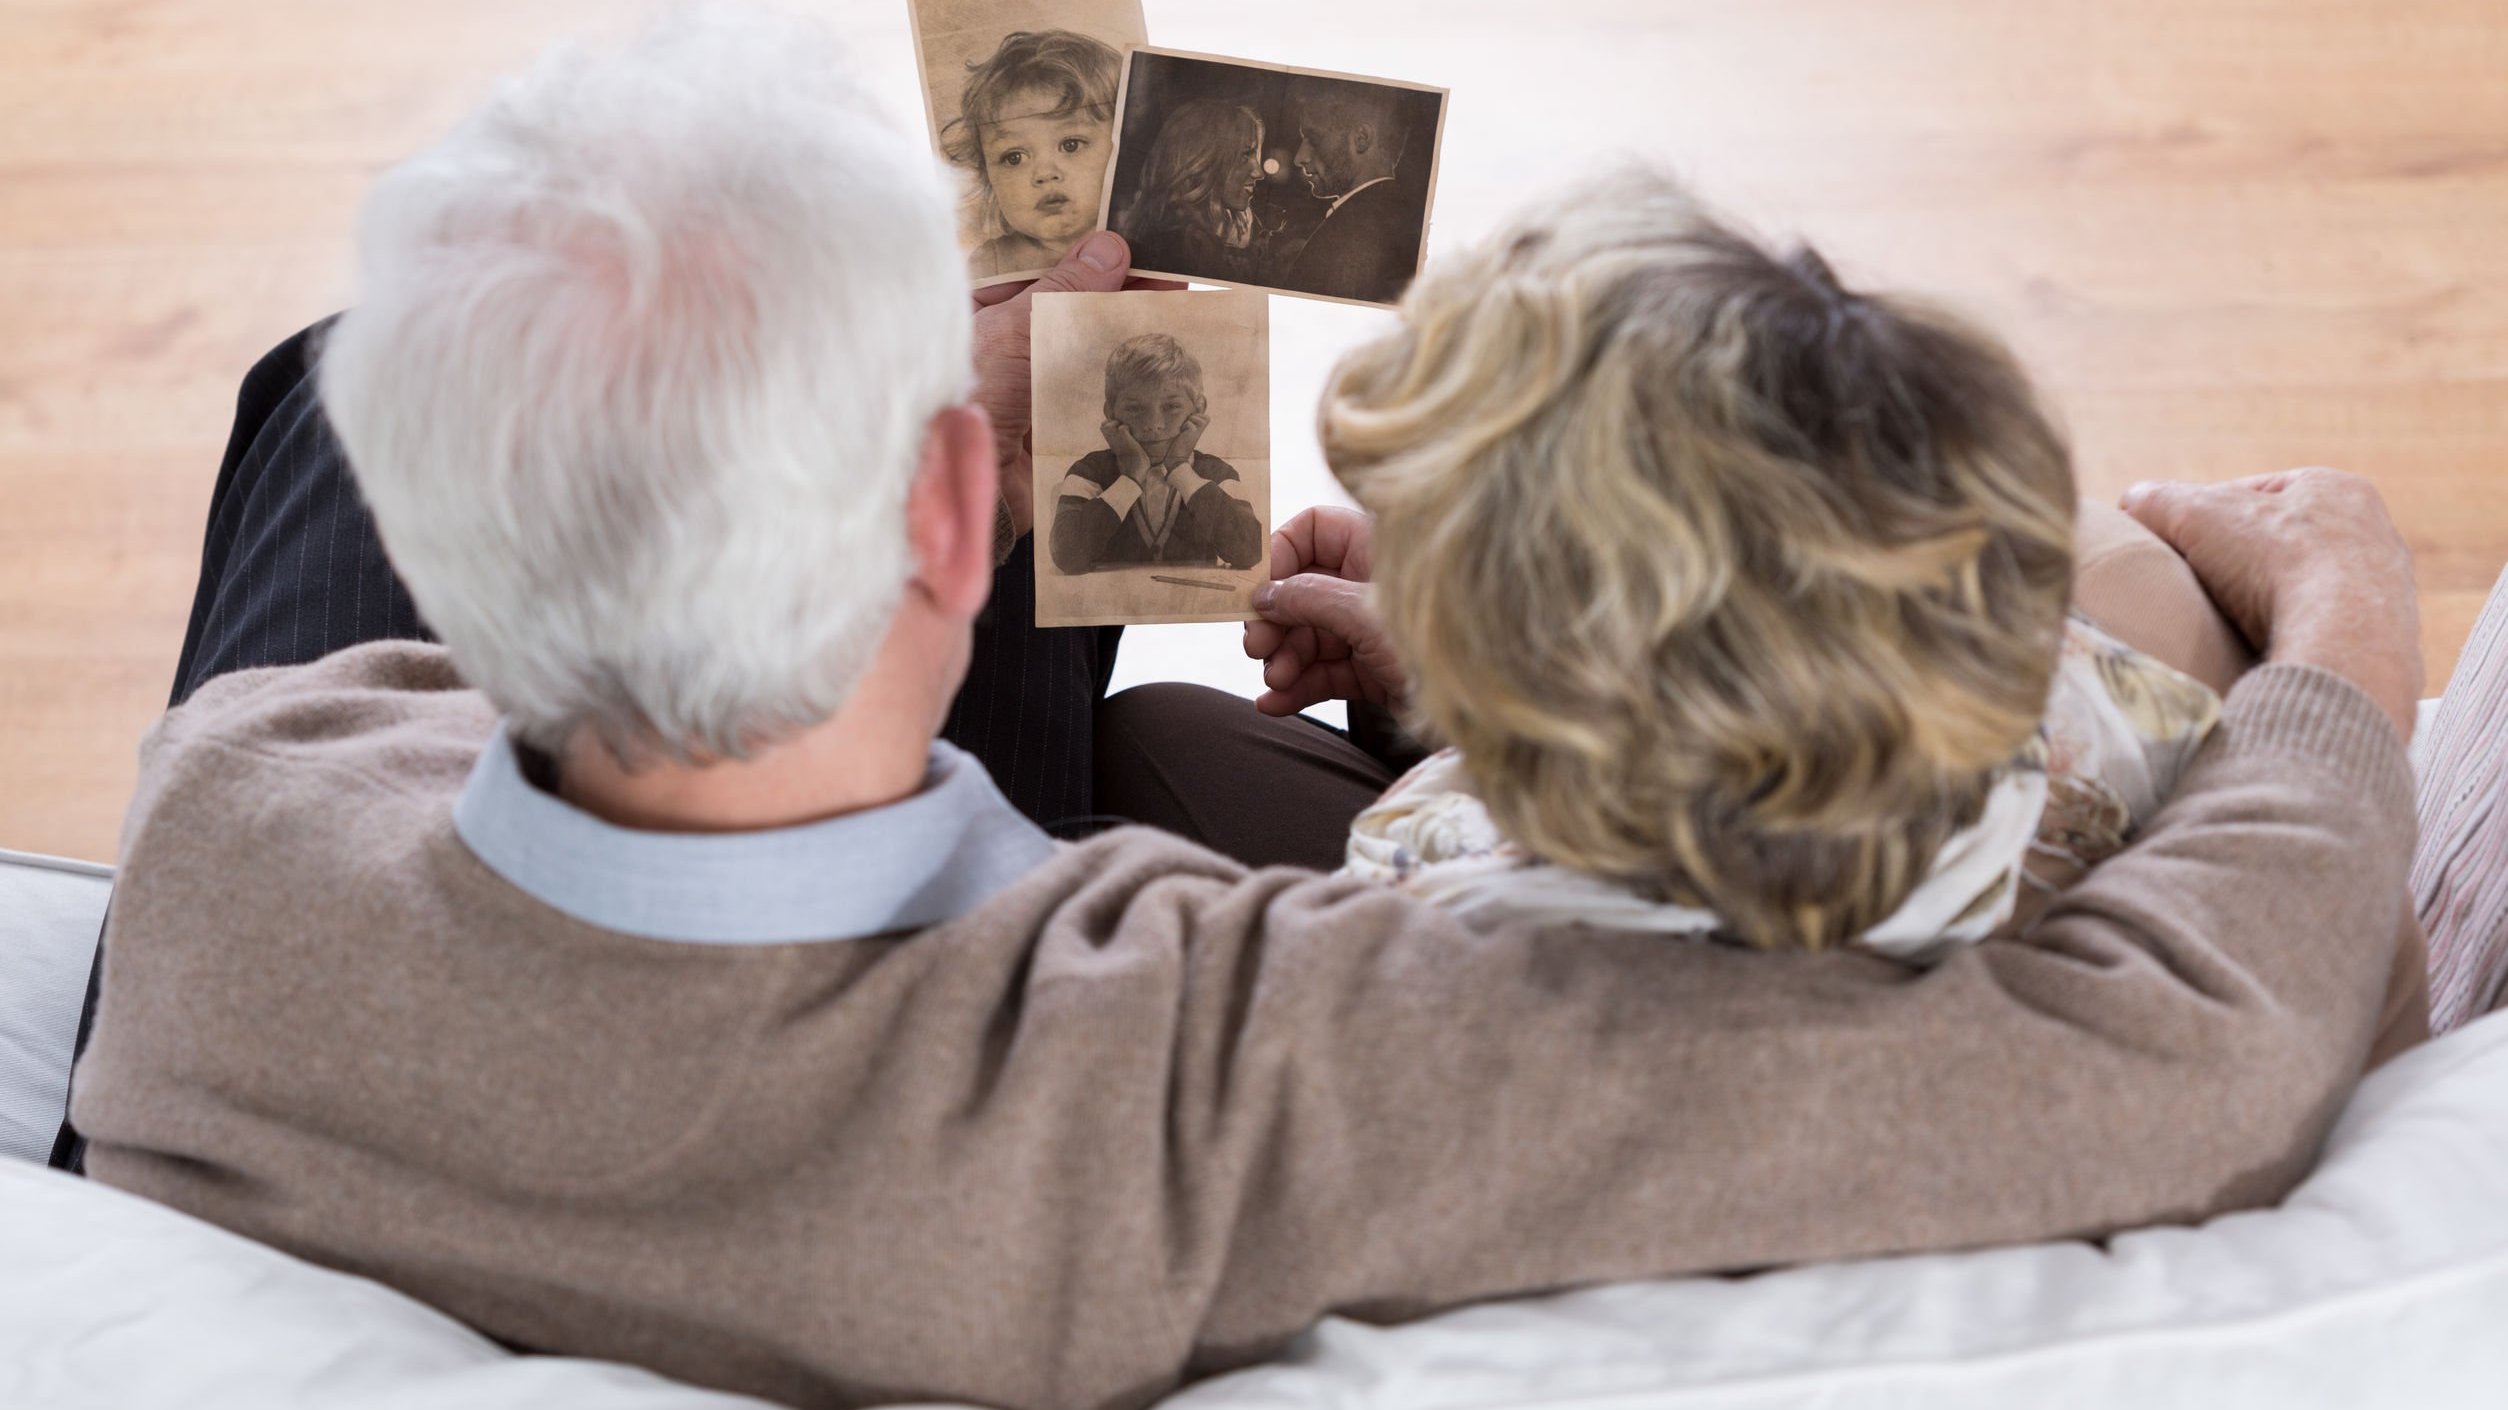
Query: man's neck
{"type": "Point", "coordinates": [806, 779]}
{"type": "Point", "coordinates": [1344, 198]}
{"type": "Point", "coordinates": [870, 754]}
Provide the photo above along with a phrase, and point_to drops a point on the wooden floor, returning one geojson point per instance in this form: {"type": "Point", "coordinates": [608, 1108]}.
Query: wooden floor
{"type": "Point", "coordinates": [2230, 236]}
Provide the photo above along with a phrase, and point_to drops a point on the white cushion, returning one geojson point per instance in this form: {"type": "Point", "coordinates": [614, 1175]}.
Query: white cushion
{"type": "Point", "coordinates": [2383, 1281]}
{"type": "Point", "coordinates": [111, 1301]}
{"type": "Point", "coordinates": [49, 912]}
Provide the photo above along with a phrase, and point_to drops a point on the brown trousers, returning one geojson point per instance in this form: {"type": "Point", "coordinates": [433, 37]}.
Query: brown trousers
{"type": "Point", "coordinates": [1203, 764]}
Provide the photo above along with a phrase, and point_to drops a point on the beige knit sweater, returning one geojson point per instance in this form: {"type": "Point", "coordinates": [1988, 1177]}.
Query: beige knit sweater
{"type": "Point", "coordinates": [1145, 1115]}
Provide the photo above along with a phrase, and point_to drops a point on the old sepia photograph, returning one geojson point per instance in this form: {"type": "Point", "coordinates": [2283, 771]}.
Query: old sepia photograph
{"type": "Point", "coordinates": [1292, 180]}
{"type": "Point", "coordinates": [1021, 96]}
{"type": "Point", "coordinates": [1153, 456]}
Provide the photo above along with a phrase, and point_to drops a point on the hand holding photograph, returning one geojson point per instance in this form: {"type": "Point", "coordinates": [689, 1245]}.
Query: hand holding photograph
{"type": "Point", "coordinates": [1021, 98]}
{"type": "Point", "coordinates": [1153, 456]}
{"type": "Point", "coordinates": [1261, 177]}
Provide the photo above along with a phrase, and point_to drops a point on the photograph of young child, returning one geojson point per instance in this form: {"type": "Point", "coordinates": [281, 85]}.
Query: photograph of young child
{"type": "Point", "coordinates": [1152, 454]}
{"type": "Point", "coordinates": [1021, 97]}
{"type": "Point", "coordinates": [1291, 180]}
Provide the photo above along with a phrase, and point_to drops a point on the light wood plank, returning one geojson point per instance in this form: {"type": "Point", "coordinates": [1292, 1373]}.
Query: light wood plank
{"type": "Point", "coordinates": [2227, 236]}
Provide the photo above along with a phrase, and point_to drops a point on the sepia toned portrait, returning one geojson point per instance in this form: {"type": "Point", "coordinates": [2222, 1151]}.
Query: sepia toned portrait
{"type": "Point", "coordinates": [1153, 456]}
{"type": "Point", "coordinates": [1292, 180]}
{"type": "Point", "coordinates": [1021, 97]}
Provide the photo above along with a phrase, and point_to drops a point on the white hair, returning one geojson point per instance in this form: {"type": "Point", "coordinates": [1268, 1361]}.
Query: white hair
{"type": "Point", "coordinates": [639, 375]}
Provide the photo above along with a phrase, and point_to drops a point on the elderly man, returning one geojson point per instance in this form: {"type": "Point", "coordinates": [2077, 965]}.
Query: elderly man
{"type": "Point", "coordinates": [634, 975]}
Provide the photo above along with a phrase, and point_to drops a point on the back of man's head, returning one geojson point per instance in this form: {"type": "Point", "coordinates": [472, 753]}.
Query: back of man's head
{"type": "Point", "coordinates": [639, 376]}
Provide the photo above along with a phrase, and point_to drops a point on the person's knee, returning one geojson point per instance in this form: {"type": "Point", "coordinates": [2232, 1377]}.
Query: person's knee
{"type": "Point", "coordinates": [1146, 718]}
{"type": "Point", "coordinates": [1149, 740]}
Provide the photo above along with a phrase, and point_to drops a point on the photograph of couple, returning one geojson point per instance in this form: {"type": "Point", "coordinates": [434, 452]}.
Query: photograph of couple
{"type": "Point", "coordinates": [1282, 179]}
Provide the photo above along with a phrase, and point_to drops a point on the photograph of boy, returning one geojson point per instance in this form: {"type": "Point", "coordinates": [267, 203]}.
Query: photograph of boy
{"type": "Point", "coordinates": [1152, 495]}
{"type": "Point", "coordinates": [1262, 177]}
{"type": "Point", "coordinates": [1152, 489]}
{"type": "Point", "coordinates": [1021, 99]}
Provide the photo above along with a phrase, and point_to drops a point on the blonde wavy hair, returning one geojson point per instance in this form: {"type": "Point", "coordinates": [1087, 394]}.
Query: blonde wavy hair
{"type": "Point", "coordinates": [1732, 585]}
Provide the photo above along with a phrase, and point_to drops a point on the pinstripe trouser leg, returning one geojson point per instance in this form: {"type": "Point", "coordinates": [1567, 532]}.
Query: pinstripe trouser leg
{"type": "Point", "coordinates": [290, 568]}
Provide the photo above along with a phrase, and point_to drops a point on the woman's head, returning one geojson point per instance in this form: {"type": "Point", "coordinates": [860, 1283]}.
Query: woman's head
{"type": "Point", "coordinates": [1205, 165]}
{"type": "Point", "coordinates": [1035, 126]}
{"type": "Point", "coordinates": [1153, 386]}
{"type": "Point", "coordinates": [1730, 583]}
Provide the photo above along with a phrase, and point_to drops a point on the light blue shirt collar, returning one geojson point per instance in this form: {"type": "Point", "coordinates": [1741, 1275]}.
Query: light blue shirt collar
{"type": "Point", "coordinates": [927, 858]}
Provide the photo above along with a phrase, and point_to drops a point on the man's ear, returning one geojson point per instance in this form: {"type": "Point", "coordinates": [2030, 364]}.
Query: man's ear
{"type": "Point", "coordinates": [949, 511]}
{"type": "Point", "coordinates": [1363, 138]}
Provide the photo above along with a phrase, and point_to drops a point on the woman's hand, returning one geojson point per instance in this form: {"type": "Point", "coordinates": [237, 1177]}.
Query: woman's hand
{"type": "Point", "coordinates": [1320, 639]}
{"type": "Point", "coordinates": [2309, 565]}
{"type": "Point", "coordinates": [1099, 264]}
